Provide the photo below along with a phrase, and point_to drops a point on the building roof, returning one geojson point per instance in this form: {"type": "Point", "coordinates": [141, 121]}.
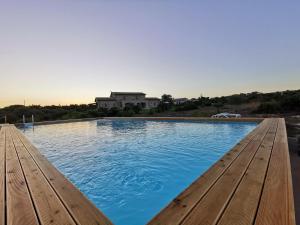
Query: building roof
{"type": "Point", "coordinates": [181, 99]}
{"type": "Point", "coordinates": [104, 99]}
{"type": "Point", "coordinates": [153, 98]}
{"type": "Point", "coordinates": [127, 93]}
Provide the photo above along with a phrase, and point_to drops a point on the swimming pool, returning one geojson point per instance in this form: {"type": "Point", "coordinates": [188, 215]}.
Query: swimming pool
{"type": "Point", "coordinates": [130, 169]}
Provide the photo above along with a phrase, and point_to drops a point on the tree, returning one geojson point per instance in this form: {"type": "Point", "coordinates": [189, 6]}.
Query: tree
{"type": "Point", "coordinates": [166, 103]}
{"type": "Point", "coordinates": [167, 99]}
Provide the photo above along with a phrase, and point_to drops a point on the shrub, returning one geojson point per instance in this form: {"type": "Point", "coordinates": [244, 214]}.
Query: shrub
{"type": "Point", "coordinates": [268, 107]}
{"type": "Point", "coordinates": [186, 106]}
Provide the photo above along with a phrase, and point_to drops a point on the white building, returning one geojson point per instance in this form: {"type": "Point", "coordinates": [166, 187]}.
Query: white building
{"type": "Point", "coordinates": [178, 101]}
{"type": "Point", "coordinates": [123, 99]}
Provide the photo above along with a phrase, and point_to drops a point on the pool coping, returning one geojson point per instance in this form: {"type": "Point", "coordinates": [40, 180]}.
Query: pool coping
{"type": "Point", "coordinates": [242, 119]}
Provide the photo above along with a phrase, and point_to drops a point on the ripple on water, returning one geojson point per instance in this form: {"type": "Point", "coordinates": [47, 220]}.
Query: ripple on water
{"type": "Point", "coordinates": [131, 169]}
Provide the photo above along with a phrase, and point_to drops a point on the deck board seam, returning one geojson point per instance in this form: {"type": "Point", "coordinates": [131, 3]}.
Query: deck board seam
{"type": "Point", "coordinates": [25, 178]}
{"type": "Point", "coordinates": [5, 192]}
{"type": "Point", "coordinates": [273, 125]}
{"type": "Point", "coordinates": [3, 146]}
{"type": "Point", "coordinates": [198, 202]}
{"type": "Point", "coordinates": [261, 126]}
{"type": "Point", "coordinates": [238, 184]}
{"type": "Point", "coordinates": [52, 187]}
{"type": "Point", "coordinates": [265, 177]}
{"type": "Point", "coordinates": [266, 133]}
{"type": "Point", "coordinates": [291, 204]}
{"type": "Point", "coordinates": [290, 199]}
{"type": "Point", "coordinates": [221, 174]}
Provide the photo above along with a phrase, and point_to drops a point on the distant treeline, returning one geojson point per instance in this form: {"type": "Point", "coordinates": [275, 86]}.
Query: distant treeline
{"type": "Point", "coordinates": [15, 113]}
{"type": "Point", "coordinates": [267, 103]}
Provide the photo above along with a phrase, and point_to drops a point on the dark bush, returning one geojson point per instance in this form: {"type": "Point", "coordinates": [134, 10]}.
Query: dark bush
{"type": "Point", "coordinates": [186, 106]}
{"type": "Point", "coordinates": [268, 107]}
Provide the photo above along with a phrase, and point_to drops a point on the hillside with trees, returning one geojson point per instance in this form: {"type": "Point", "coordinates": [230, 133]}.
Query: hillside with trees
{"type": "Point", "coordinates": [249, 104]}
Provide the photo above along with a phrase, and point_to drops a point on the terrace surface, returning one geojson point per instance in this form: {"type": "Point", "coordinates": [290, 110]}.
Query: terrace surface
{"type": "Point", "coordinates": [251, 184]}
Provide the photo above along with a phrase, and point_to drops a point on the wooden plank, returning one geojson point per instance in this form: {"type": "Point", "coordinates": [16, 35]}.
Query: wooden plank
{"type": "Point", "coordinates": [48, 206]}
{"type": "Point", "coordinates": [209, 209]}
{"type": "Point", "coordinates": [277, 206]}
{"type": "Point", "coordinates": [228, 193]}
{"type": "Point", "coordinates": [82, 210]}
{"type": "Point", "coordinates": [2, 177]}
{"type": "Point", "coordinates": [291, 206]}
{"type": "Point", "coordinates": [176, 211]}
{"type": "Point", "coordinates": [20, 209]}
{"type": "Point", "coordinates": [244, 203]}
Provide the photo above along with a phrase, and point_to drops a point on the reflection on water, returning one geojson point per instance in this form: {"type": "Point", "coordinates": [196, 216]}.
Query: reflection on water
{"type": "Point", "coordinates": [123, 124]}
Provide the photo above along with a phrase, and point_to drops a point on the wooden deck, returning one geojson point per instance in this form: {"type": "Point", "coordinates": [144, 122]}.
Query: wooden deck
{"type": "Point", "coordinates": [33, 192]}
{"type": "Point", "coordinates": [251, 184]}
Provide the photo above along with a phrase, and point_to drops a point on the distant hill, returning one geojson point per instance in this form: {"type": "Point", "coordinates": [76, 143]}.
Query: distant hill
{"type": "Point", "coordinates": [247, 104]}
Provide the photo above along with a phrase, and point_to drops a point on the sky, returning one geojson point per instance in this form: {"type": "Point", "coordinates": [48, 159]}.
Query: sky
{"type": "Point", "coordinates": [70, 51]}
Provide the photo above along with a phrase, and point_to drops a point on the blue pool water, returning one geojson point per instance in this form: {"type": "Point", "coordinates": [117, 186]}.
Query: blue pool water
{"type": "Point", "coordinates": [131, 169]}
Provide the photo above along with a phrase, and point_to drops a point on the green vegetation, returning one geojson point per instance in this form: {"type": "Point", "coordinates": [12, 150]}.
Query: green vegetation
{"type": "Point", "coordinates": [286, 102]}
{"type": "Point", "coordinates": [15, 113]}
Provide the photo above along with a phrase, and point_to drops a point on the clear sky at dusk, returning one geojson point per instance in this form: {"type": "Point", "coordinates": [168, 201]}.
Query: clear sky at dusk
{"type": "Point", "coordinates": [70, 51]}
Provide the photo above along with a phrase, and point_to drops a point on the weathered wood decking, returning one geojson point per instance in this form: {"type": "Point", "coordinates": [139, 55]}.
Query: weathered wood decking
{"type": "Point", "coordinates": [251, 184]}
{"type": "Point", "coordinates": [33, 192]}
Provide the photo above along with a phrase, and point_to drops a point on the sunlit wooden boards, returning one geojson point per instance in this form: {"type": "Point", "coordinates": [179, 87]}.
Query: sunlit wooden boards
{"type": "Point", "coordinates": [33, 192]}
{"type": "Point", "coordinates": [2, 177]}
{"type": "Point", "coordinates": [251, 184]}
{"type": "Point", "coordinates": [277, 206]}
